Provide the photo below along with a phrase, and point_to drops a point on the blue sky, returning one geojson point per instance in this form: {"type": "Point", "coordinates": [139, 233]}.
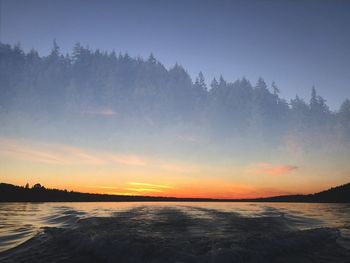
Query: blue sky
{"type": "Point", "coordinates": [295, 43]}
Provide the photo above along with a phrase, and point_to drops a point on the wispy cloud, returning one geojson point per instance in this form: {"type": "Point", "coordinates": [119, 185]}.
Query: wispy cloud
{"type": "Point", "coordinates": [101, 112]}
{"type": "Point", "coordinates": [21, 150]}
{"type": "Point", "coordinates": [127, 159]}
{"type": "Point", "coordinates": [270, 169]}
{"type": "Point", "coordinates": [150, 185]}
{"type": "Point", "coordinates": [64, 154]}
{"type": "Point", "coordinates": [140, 188]}
{"type": "Point", "coordinates": [144, 190]}
{"type": "Point", "coordinates": [106, 187]}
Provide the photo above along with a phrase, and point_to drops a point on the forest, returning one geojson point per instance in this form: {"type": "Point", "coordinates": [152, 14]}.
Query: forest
{"type": "Point", "coordinates": [90, 82]}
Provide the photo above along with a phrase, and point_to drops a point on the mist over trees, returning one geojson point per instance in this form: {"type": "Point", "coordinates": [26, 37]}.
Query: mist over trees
{"type": "Point", "coordinates": [119, 86]}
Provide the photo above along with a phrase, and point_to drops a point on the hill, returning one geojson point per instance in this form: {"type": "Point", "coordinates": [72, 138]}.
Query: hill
{"type": "Point", "coordinates": [339, 194]}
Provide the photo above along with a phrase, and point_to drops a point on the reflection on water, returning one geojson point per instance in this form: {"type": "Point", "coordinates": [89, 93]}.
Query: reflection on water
{"type": "Point", "coordinates": [206, 228]}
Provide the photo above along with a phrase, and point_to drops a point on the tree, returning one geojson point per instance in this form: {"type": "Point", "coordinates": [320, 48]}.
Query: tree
{"type": "Point", "coordinates": [275, 89]}
{"type": "Point", "coordinates": [323, 107]}
{"type": "Point", "coordinates": [214, 84]}
{"type": "Point", "coordinates": [55, 51]}
{"type": "Point", "coordinates": [261, 84]}
{"type": "Point", "coordinates": [318, 106]}
{"type": "Point", "coordinates": [313, 100]}
{"type": "Point", "coordinates": [152, 60]}
{"type": "Point", "coordinates": [298, 104]}
{"type": "Point", "coordinates": [38, 186]}
{"type": "Point", "coordinates": [345, 109]}
{"type": "Point", "coordinates": [199, 86]}
{"type": "Point", "coordinates": [200, 82]}
{"type": "Point", "coordinates": [344, 115]}
{"type": "Point", "coordinates": [200, 94]}
{"type": "Point", "coordinates": [80, 53]}
{"type": "Point", "coordinates": [299, 111]}
{"type": "Point", "coordinates": [222, 82]}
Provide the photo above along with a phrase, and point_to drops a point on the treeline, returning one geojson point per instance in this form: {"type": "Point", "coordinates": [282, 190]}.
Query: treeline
{"type": "Point", "coordinates": [38, 193]}
{"type": "Point", "coordinates": [92, 81]}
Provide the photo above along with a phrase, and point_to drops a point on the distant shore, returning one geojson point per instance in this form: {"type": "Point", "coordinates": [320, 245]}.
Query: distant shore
{"type": "Point", "coordinates": [38, 193]}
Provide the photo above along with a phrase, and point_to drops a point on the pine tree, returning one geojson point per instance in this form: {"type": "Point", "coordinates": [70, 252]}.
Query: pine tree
{"type": "Point", "coordinates": [200, 82]}
{"type": "Point", "coordinates": [55, 51]}
{"type": "Point", "coordinates": [313, 100]}
{"type": "Point", "coordinates": [151, 59]}
{"type": "Point", "coordinates": [275, 89]}
{"type": "Point", "coordinates": [261, 84]}
{"type": "Point", "coordinates": [214, 84]}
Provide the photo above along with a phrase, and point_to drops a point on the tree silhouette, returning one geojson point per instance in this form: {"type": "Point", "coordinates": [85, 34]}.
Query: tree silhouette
{"type": "Point", "coordinates": [145, 91]}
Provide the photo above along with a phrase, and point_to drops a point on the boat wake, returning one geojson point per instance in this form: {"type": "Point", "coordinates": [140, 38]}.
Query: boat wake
{"type": "Point", "coordinates": [181, 234]}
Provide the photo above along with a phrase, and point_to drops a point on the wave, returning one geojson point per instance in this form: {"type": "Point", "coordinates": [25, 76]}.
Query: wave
{"type": "Point", "coordinates": [177, 234]}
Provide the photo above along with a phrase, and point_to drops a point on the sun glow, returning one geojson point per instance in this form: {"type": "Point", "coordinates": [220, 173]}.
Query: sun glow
{"type": "Point", "coordinates": [112, 172]}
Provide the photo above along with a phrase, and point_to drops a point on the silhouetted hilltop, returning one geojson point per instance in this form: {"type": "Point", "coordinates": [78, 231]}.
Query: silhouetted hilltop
{"type": "Point", "coordinates": [38, 193]}
{"type": "Point", "coordinates": [339, 194]}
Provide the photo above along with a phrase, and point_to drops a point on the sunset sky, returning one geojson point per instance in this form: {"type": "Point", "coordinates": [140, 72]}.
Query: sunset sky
{"type": "Point", "coordinates": [297, 44]}
{"type": "Point", "coordinates": [182, 167]}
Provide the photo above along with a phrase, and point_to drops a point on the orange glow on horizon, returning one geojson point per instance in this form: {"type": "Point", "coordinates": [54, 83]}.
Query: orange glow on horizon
{"type": "Point", "coordinates": [204, 189]}
{"type": "Point", "coordinates": [94, 171]}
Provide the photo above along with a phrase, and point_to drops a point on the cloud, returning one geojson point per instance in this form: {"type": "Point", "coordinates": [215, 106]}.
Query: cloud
{"type": "Point", "coordinates": [144, 190]}
{"type": "Point", "coordinates": [79, 155]}
{"type": "Point", "coordinates": [270, 169]}
{"type": "Point", "coordinates": [134, 188]}
{"type": "Point", "coordinates": [106, 187]}
{"type": "Point", "coordinates": [137, 188]}
{"type": "Point", "coordinates": [62, 154]}
{"type": "Point", "coordinates": [127, 159]}
{"type": "Point", "coordinates": [21, 150]}
{"type": "Point", "coordinates": [58, 154]}
{"type": "Point", "coordinates": [150, 185]}
{"type": "Point", "coordinates": [103, 112]}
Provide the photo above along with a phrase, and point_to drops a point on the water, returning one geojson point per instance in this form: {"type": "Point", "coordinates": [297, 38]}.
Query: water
{"type": "Point", "coordinates": [229, 225]}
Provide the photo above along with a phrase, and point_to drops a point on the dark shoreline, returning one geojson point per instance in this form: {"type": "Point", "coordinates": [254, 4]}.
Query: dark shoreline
{"type": "Point", "coordinates": [13, 193]}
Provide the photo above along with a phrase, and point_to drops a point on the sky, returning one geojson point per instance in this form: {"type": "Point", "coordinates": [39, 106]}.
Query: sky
{"type": "Point", "coordinates": [297, 44]}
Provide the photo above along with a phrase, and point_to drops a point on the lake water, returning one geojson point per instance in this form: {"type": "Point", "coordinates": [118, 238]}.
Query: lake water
{"type": "Point", "coordinates": [184, 232]}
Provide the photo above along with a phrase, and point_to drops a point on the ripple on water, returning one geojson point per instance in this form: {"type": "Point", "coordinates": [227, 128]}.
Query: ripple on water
{"type": "Point", "coordinates": [204, 230]}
